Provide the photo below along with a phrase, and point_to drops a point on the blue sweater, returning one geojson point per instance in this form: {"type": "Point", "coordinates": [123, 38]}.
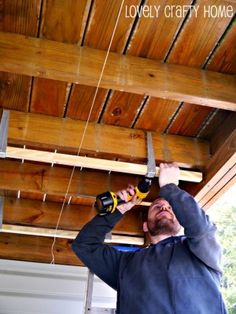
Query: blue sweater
{"type": "Point", "coordinates": [178, 275]}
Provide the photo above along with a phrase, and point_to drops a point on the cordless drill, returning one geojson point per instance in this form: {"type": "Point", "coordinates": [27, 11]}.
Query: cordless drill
{"type": "Point", "coordinates": [108, 201]}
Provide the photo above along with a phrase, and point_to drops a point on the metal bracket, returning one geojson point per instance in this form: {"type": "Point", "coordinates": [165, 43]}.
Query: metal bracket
{"type": "Point", "coordinates": [4, 132]}
{"type": "Point", "coordinates": [151, 165]}
{"type": "Point", "coordinates": [1, 210]}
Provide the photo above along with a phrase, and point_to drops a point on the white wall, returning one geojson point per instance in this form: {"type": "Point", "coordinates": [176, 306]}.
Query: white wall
{"type": "Point", "coordinates": [35, 288]}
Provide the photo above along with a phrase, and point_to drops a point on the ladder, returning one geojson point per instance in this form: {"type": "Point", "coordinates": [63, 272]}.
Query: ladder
{"type": "Point", "coordinates": [88, 301]}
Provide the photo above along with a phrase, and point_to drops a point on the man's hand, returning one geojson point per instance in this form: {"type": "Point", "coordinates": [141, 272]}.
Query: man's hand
{"type": "Point", "coordinates": [169, 173]}
{"type": "Point", "coordinates": [124, 195]}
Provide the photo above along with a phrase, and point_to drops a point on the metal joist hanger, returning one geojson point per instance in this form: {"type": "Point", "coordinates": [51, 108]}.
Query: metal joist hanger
{"type": "Point", "coordinates": [1, 210]}
{"type": "Point", "coordinates": [4, 132]}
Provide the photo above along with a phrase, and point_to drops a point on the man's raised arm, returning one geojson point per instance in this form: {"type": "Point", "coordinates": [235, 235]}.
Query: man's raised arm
{"type": "Point", "coordinates": [199, 230]}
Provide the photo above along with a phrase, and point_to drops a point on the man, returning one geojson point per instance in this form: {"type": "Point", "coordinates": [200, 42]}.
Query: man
{"type": "Point", "coordinates": [175, 274]}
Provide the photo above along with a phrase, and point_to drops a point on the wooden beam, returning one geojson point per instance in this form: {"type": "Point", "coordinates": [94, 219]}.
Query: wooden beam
{"type": "Point", "coordinates": [44, 215]}
{"type": "Point", "coordinates": [36, 249]}
{"type": "Point", "coordinates": [91, 163]}
{"type": "Point", "coordinates": [66, 62]}
{"type": "Point", "coordinates": [219, 172]}
{"type": "Point", "coordinates": [41, 178]}
{"type": "Point", "coordinates": [105, 141]}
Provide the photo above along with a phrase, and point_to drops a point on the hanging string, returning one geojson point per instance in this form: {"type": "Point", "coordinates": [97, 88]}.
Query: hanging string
{"type": "Point", "coordinates": [84, 131]}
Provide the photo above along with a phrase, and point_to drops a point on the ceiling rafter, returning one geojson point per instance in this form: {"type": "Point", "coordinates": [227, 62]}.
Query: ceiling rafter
{"type": "Point", "coordinates": [82, 65]}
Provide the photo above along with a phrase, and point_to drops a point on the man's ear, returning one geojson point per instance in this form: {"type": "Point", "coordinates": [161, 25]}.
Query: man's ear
{"type": "Point", "coordinates": [145, 227]}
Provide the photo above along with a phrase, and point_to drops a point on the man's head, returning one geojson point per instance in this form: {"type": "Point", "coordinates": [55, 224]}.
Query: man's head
{"type": "Point", "coordinates": [161, 219]}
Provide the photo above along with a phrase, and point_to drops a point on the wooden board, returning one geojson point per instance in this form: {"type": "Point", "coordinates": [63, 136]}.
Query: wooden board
{"type": "Point", "coordinates": [218, 171]}
{"type": "Point", "coordinates": [189, 120]}
{"type": "Point", "coordinates": [37, 178]}
{"type": "Point", "coordinates": [62, 21]}
{"type": "Point", "coordinates": [81, 100]}
{"type": "Point", "coordinates": [122, 109]}
{"type": "Point", "coordinates": [35, 213]}
{"type": "Point", "coordinates": [14, 91]}
{"type": "Point", "coordinates": [90, 163]}
{"type": "Point", "coordinates": [157, 114]}
{"type": "Point", "coordinates": [192, 48]}
{"type": "Point", "coordinates": [151, 38]}
{"type": "Point", "coordinates": [48, 59]}
{"type": "Point", "coordinates": [36, 249]}
{"type": "Point", "coordinates": [99, 32]}
{"type": "Point", "coordinates": [47, 132]}
{"type": "Point", "coordinates": [17, 16]}
{"type": "Point", "coordinates": [223, 60]}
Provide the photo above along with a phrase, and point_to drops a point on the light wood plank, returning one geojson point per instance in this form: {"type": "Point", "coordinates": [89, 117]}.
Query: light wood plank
{"type": "Point", "coordinates": [91, 163]}
{"type": "Point", "coordinates": [39, 131]}
{"type": "Point", "coordinates": [66, 234]}
{"type": "Point", "coordinates": [48, 59]}
{"type": "Point", "coordinates": [218, 171]}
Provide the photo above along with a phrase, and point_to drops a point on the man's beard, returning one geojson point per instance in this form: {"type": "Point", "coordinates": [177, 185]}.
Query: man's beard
{"type": "Point", "coordinates": [163, 226]}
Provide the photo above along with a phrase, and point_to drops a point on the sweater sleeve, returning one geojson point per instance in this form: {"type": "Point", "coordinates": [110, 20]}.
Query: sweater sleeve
{"type": "Point", "coordinates": [199, 230]}
{"type": "Point", "coordinates": [102, 259]}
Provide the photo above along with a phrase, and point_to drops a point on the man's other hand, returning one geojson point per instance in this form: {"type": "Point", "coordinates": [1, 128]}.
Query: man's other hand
{"type": "Point", "coordinates": [169, 173]}
{"type": "Point", "coordinates": [125, 196]}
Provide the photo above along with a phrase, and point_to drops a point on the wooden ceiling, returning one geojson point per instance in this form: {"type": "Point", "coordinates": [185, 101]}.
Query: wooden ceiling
{"type": "Point", "coordinates": [172, 76]}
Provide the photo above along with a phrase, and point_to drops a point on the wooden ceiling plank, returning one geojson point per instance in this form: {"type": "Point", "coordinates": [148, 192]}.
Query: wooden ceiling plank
{"type": "Point", "coordinates": [81, 100]}
{"type": "Point", "coordinates": [63, 22]}
{"type": "Point", "coordinates": [48, 97]}
{"type": "Point", "coordinates": [223, 60]}
{"type": "Point", "coordinates": [36, 249]}
{"type": "Point", "coordinates": [216, 120]}
{"type": "Point", "coordinates": [192, 48]}
{"type": "Point", "coordinates": [149, 41]}
{"type": "Point", "coordinates": [39, 131]}
{"type": "Point", "coordinates": [225, 129]}
{"type": "Point", "coordinates": [122, 108]}
{"type": "Point", "coordinates": [157, 114]}
{"type": "Point", "coordinates": [98, 36]}
{"type": "Point", "coordinates": [101, 27]}
{"type": "Point", "coordinates": [54, 60]}
{"type": "Point", "coordinates": [38, 214]}
{"type": "Point", "coordinates": [17, 16]}
{"type": "Point", "coordinates": [14, 91]}
{"type": "Point", "coordinates": [189, 120]}
{"type": "Point", "coordinates": [153, 38]}
{"type": "Point", "coordinates": [91, 163]}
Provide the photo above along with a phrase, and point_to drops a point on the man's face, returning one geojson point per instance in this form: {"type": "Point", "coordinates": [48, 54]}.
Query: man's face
{"type": "Point", "coordinates": [161, 219]}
